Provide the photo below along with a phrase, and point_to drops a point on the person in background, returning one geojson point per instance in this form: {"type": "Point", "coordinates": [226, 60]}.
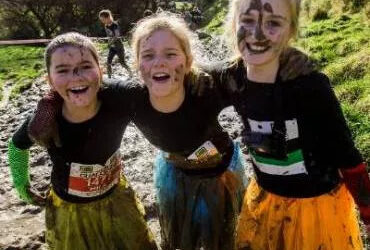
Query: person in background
{"type": "Point", "coordinates": [115, 44]}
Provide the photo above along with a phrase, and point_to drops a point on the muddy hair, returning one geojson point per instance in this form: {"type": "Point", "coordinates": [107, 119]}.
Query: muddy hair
{"type": "Point", "coordinates": [73, 39]}
{"type": "Point", "coordinates": [231, 21]}
{"type": "Point", "coordinates": [105, 14]}
{"type": "Point", "coordinates": [164, 20]}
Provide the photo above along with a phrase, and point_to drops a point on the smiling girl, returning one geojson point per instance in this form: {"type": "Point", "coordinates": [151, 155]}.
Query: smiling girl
{"type": "Point", "coordinates": [89, 206]}
{"type": "Point", "coordinates": [306, 165]}
{"type": "Point", "coordinates": [199, 173]}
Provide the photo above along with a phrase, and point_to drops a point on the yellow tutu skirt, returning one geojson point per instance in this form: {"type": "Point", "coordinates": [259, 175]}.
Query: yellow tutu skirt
{"type": "Point", "coordinates": [114, 222]}
{"type": "Point", "coordinates": [270, 222]}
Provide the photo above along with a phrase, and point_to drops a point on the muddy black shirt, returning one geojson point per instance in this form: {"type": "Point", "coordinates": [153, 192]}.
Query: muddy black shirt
{"type": "Point", "coordinates": [181, 131]}
{"type": "Point", "coordinates": [318, 139]}
{"type": "Point", "coordinates": [91, 142]}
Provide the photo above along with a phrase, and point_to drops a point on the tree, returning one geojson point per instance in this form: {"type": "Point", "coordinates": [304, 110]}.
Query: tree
{"type": "Point", "coordinates": [47, 18]}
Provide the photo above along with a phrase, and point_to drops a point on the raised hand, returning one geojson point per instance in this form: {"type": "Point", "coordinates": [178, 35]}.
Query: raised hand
{"type": "Point", "coordinates": [42, 127]}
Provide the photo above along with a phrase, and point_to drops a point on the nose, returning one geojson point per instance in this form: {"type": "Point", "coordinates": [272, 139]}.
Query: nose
{"type": "Point", "coordinates": [76, 75]}
{"type": "Point", "coordinates": [75, 72]}
{"type": "Point", "coordinates": [159, 61]}
{"type": "Point", "coordinates": [258, 33]}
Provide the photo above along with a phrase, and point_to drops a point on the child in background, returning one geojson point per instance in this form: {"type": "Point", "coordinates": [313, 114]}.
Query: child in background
{"type": "Point", "coordinates": [306, 165]}
{"type": "Point", "coordinates": [115, 44]}
{"type": "Point", "coordinates": [90, 205]}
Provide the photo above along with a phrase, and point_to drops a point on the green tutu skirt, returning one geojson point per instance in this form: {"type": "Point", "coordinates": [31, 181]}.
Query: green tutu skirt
{"type": "Point", "coordinates": [114, 222]}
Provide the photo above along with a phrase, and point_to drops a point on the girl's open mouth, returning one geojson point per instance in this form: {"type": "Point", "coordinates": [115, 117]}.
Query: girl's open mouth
{"type": "Point", "coordinates": [258, 49]}
{"type": "Point", "coordinates": [161, 77]}
{"type": "Point", "coordinates": [79, 90]}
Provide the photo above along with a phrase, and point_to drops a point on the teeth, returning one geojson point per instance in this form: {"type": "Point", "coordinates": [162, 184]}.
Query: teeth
{"type": "Point", "coordinates": [160, 74]}
{"type": "Point", "coordinates": [257, 48]}
{"type": "Point", "coordinates": [79, 88]}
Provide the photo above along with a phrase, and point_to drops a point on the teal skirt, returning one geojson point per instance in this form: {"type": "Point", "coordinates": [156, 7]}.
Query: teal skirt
{"type": "Point", "coordinates": [199, 210]}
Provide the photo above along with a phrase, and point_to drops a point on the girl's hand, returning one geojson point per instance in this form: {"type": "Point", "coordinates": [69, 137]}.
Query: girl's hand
{"type": "Point", "coordinates": [358, 183]}
{"type": "Point", "coordinates": [43, 128]}
{"type": "Point", "coordinates": [37, 199]}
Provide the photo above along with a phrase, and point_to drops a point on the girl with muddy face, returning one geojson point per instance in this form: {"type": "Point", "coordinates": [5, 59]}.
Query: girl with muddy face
{"type": "Point", "coordinates": [298, 199]}
{"type": "Point", "coordinates": [86, 187]}
{"type": "Point", "coordinates": [263, 31]}
{"type": "Point", "coordinates": [74, 73]}
{"type": "Point", "coordinates": [163, 58]}
{"type": "Point", "coordinates": [199, 163]}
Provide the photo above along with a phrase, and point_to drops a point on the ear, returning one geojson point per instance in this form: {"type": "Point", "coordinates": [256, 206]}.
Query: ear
{"type": "Point", "coordinates": [101, 75]}
{"type": "Point", "coordinates": [47, 78]}
{"type": "Point", "coordinates": [189, 62]}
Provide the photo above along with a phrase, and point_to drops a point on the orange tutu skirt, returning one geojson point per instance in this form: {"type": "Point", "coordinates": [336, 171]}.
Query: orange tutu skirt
{"type": "Point", "coordinates": [269, 221]}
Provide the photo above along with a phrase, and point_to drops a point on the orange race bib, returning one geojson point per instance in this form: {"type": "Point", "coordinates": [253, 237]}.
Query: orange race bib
{"type": "Point", "coordinates": [91, 180]}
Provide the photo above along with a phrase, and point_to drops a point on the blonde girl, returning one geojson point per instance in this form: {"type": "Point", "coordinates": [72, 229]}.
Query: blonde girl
{"type": "Point", "coordinates": [305, 163]}
{"type": "Point", "coordinates": [199, 173]}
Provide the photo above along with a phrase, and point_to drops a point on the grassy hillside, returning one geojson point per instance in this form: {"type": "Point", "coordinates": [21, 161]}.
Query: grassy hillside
{"type": "Point", "coordinates": [19, 64]}
{"type": "Point", "coordinates": [214, 16]}
{"type": "Point", "coordinates": [336, 34]}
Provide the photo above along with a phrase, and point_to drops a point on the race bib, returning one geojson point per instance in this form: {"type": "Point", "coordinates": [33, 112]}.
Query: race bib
{"type": "Point", "coordinates": [206, 150]}
{"type": "Point", "coordinates": [91, 180]}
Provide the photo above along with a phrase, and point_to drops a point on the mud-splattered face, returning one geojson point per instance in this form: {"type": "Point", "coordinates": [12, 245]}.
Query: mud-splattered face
{"type": "Point", "coordinates": [263, 30]}
{"type": "Point", "coordinates": [162, 63]}
{"type": "Point", "coordinates": [75, 75]}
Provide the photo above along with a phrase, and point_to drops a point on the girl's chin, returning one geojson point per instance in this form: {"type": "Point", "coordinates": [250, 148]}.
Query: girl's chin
{"type": "Point", "coordinates": [81, 102]}
{"type": "Point", "coordinates": [258, 59]}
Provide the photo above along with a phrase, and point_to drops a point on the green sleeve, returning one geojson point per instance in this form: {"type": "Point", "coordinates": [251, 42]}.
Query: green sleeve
{"type": "Point", "coordinates": [18, 162]}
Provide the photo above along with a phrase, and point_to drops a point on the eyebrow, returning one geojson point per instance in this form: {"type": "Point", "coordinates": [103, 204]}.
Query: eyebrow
{"type": "Point", "coordinates": [68, 65]}
{"type": "Point", "coordinates": [279, 17]}
{"type": "Point", "coordinates": [272, 15]}
{"type": "Point", "coordinates": [166, 49]}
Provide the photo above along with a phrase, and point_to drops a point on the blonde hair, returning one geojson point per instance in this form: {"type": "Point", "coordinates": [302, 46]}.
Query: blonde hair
{"type": "Point", "coordinates": [69, 39]}
{"type": "Point", "coordinates": [105, 14]}
{"type": "Point", "coordinates": [233, 12]}
{"type": "Point", "coordinates": [163, 21]}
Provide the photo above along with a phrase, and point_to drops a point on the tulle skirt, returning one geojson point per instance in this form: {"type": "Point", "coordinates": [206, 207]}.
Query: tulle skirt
{"type": "Point", "coordinates": [114, 222]}
{"type": "Point", "coordinates": [269, 221]}
{"type": "Point", "coordinates": [199, 210]}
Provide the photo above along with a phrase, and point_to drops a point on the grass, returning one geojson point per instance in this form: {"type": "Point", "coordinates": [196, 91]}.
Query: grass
{"type": "Point", "coordinates": [341, 47]}
{"type": "Point", "coordinates": [20, 65]}
{"type": "Point", "coordinates": [183, 6]}
{"type": "Point", "coordinates": [214, 16]}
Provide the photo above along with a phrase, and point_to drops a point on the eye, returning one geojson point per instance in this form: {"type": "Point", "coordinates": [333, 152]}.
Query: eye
{"type": "Point", "coordinates": [147, 56]}
{"type": "Point", "coordinates": [171, 54]}
{"type": "Point", "coordinates": [273, 24]}
{"type": "Point", "coordinates": [247, 21]}
{"type": "Point", "coordinates": [86, 66]}
{"type": "Point", "coordinates": [62, 71]}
